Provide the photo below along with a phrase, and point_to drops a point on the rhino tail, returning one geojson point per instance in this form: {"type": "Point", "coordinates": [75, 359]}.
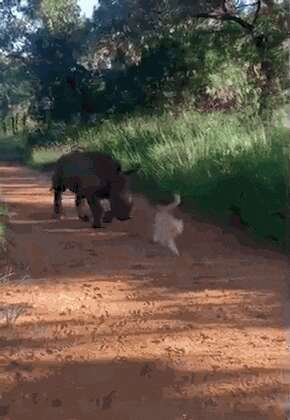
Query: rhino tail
{"type": "Point", "coordinates": [132, 170]}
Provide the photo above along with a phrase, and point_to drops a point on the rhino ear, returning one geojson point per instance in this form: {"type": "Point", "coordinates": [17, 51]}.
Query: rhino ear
{"type": "Point", "coordinates": [132, 170]}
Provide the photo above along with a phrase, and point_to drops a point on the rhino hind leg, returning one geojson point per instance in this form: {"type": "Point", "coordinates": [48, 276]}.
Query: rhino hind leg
{"type": "Point", "coordinates": [96, 209]}
{"type": "Point", "coordinates": [79, 202]}
{"type": "Point", "coordinates": [57, 205]}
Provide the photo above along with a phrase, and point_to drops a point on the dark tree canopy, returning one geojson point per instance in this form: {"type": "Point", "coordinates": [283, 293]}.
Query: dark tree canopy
{"type": "Point", "coordinates": [136, 53]}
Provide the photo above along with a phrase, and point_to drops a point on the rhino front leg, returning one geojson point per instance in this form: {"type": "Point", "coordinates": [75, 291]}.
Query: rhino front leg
{"type": "Point", "coordinates": [57, 205]}
{"type": "Point", "coordinates": [79, 202]}
{"type": "Point", "coordinates": [108, 214]}
{"type": "Point", "coordinates": [108, 217]}
{"type": "Point", "coordinates": [96, 209]}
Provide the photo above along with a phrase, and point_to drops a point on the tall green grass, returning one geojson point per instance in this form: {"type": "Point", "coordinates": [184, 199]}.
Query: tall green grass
{"type": "Point", "coordinates": [3, 214]}
{"type": "Point", "coordinates": [214, 160]}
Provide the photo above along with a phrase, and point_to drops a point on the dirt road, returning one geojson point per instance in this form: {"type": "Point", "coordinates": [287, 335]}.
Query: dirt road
{"type": "Point", "coordinates": [115, 327]}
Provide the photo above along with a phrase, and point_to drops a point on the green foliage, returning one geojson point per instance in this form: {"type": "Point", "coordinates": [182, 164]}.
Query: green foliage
{"type": "Point", "coordinates": [34, 60]}
{"type": "Point", "coordinates": [160, 61]}
{"type": "Point", "coordinates": [60, 16]}
{"type": "Point", "coordinates": [55, 68]}
{"type": "Point", "coordinates": [170, 55]}
{"type": "Point", "coordinates": [46, 136]}
{"type": "Point", "coordinates": [201, 69]}
{"type": "Point", "coordinates": [15, 89]}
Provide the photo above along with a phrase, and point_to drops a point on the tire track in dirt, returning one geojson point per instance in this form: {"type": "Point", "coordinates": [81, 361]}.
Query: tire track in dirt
{"type": "Point", "coordinates": [118, 328]}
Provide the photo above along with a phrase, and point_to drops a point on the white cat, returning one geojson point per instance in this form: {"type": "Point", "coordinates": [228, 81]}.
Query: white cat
{"type": "Point", "coordinates": [167, 227]}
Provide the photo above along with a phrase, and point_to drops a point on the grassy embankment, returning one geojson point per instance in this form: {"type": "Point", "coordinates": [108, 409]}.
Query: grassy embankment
{"type": "Point", "coordinates": [12, 149]}
{"type": "Point", "coordinates": [215, 161]}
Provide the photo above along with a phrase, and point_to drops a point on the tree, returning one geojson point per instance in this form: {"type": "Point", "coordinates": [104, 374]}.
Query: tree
{"type": "Point", "coordinates": [49, 50]}
{"type": "Point", "coordinates": [133, 26]}
{"type": "Point", "coordinates": [137, 52]}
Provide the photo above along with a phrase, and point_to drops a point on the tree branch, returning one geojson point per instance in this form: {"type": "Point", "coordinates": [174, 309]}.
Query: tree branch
{"type": "Point", "coordinates": [15, 56]}
{"type": "Point", "coordinates": [228, 17]}
{"type": "Point", "coordinates": [224, 7]}
{"type": "Point", "coordinates": [257, 12]}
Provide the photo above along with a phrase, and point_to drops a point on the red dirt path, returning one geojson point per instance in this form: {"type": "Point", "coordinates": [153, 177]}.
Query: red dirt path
{"type": "Point", "coordinates": [117, 328]}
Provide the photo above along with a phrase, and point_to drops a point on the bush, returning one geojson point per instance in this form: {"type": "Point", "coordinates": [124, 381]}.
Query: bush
{"type": "Point", "coordinates": [44, 136]}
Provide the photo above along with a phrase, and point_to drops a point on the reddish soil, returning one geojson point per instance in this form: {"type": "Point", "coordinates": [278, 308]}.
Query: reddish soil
{"type": "Point", "coordinates": [115, 327]}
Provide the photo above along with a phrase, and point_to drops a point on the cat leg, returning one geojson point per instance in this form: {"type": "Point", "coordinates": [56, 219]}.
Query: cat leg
{"type": "Point", "coordinates": [172, 247]}
{"type": "Point", "coordinates": [155, 233]}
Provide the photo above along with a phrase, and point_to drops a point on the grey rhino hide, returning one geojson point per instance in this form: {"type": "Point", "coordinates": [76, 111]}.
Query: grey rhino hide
{"type": "Point", "coordinates": [94, 176]}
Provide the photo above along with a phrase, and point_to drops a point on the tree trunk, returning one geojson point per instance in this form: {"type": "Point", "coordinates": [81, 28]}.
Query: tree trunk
{"type": "Point", "coordinates": [4, 127]}
{"type": "Point", "coordinates": [268, 80]}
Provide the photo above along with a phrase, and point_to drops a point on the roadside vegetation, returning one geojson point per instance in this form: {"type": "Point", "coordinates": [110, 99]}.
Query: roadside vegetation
{"type": "Point", "coordinates": [218, 162]}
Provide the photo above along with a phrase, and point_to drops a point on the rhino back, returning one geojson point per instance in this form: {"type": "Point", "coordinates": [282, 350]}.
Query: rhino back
{"type": "Point", "coordinates": [86, 172]}
{"type": "Point", "coordinates": [88, 163]}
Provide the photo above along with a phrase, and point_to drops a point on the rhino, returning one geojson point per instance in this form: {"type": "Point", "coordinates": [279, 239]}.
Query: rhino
{"type": "Point", "coordinates": [95, 177]}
